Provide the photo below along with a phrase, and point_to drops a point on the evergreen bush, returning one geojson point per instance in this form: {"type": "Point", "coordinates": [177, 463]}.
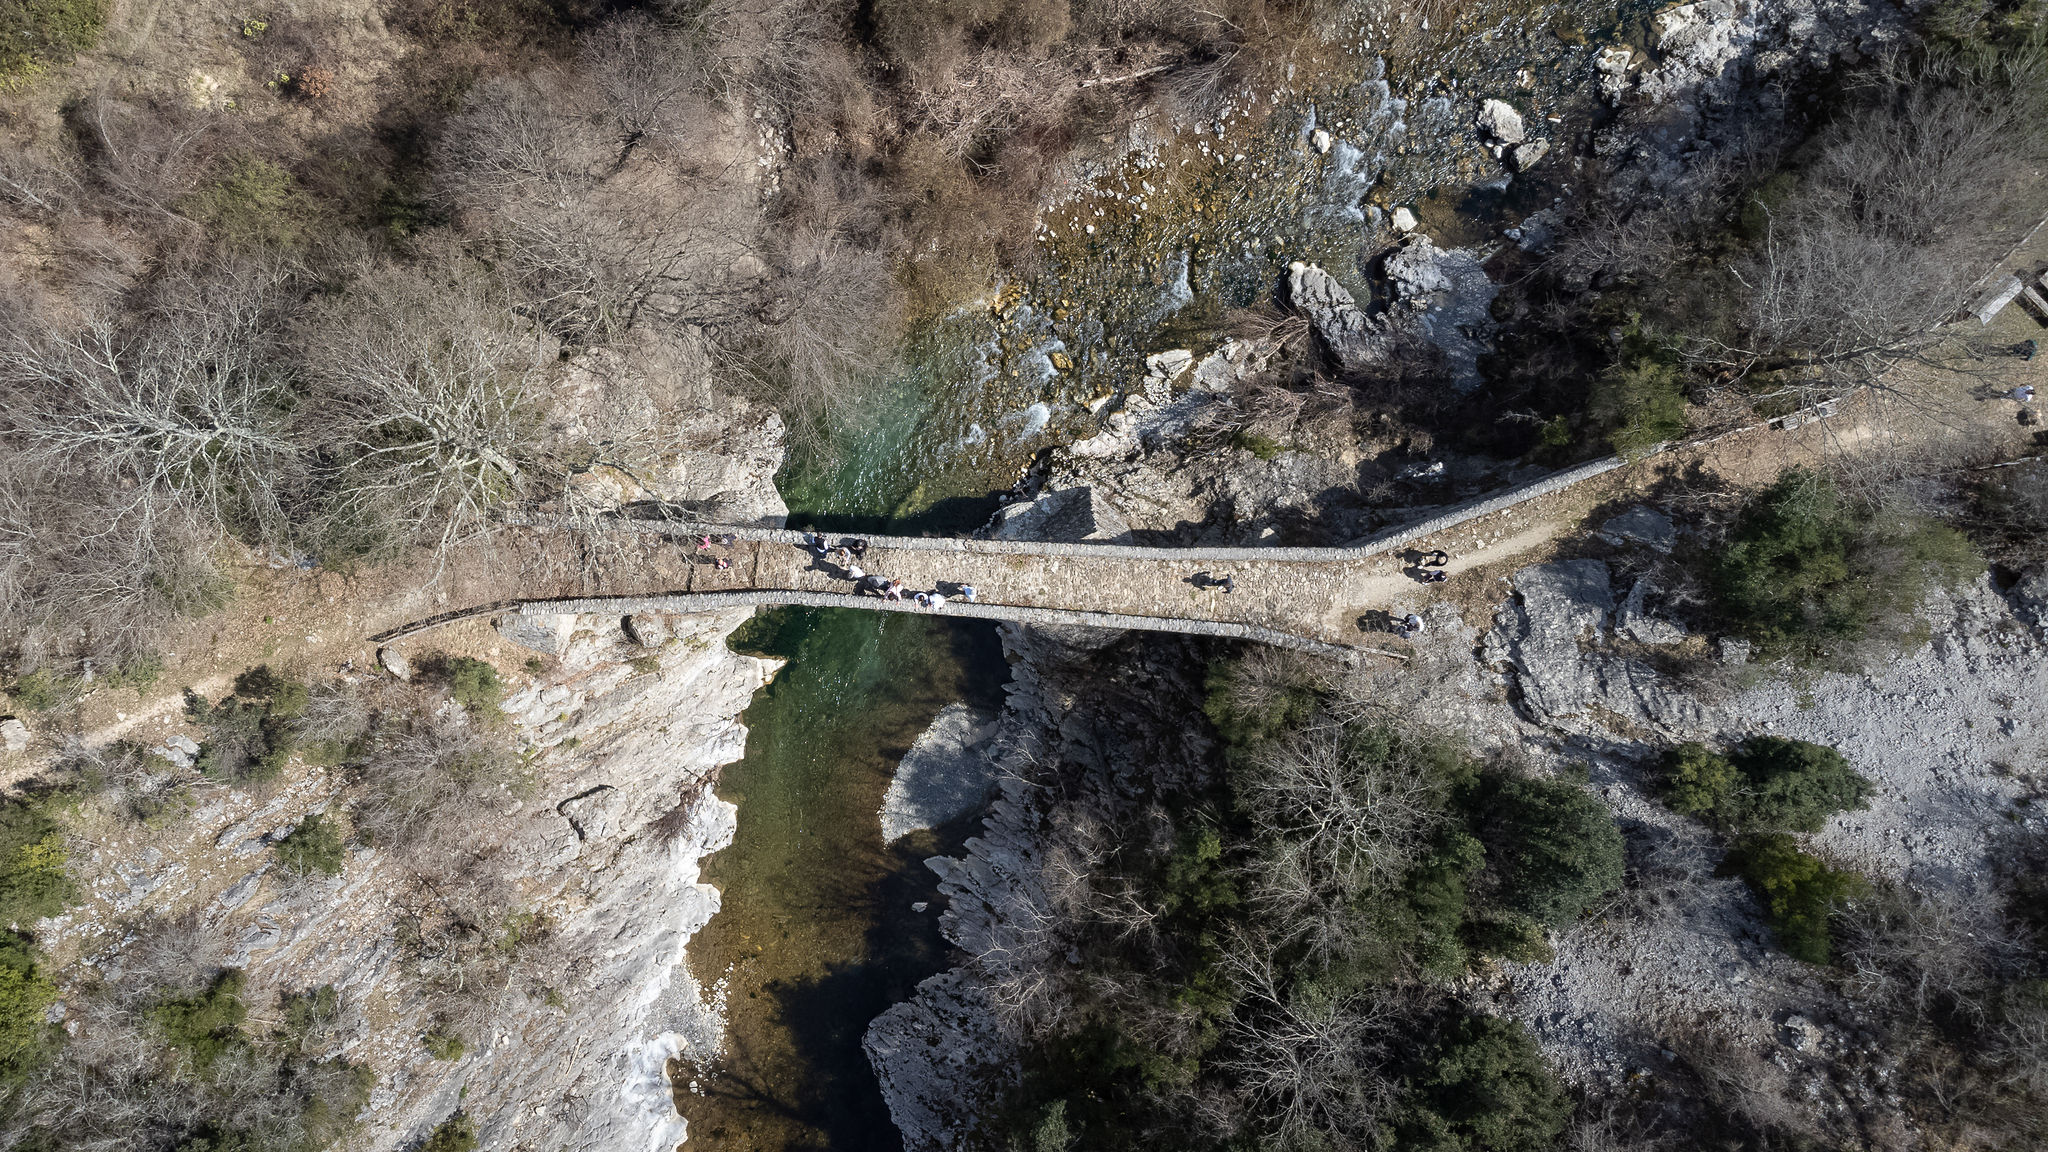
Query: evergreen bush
{"type": "Point", "coordinates": [1799, 892]}
{"type": "Point", "coordinates": [1808, 574]}
{"type": "Point", "coordinates": [33, 882]}
{"type": "Point", "coordinates": [1553, 847]}
{"type": "Point", "coordinates": [1483, 1087]}
{"type": "Point", "coordinates": [1767, 782]}
{"type": "Point", "coordinates": [316, 845]}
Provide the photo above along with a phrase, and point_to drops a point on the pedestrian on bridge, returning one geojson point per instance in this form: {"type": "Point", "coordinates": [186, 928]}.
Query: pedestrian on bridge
{"type": "Point", "coordinates": [967, 593]}
{"type": "Point", "coordinates": [723, 564]}
{"type": "Point", "coordinates": [855, 573]}
{"type": "Point", "coordinates": [1436, 558]}
{"type": "Point", "coordinates": [1411, 626]}
{"type": "Point", "coordinates": [935, 601]}
{"type": "Point", "coordinates": [923, 600]}
{"type": "Point", "coordinates": [1436, 576]}
{"type": "Point", "coordinates": [893, 590]}
{"type": "Point", "coordinates": [857, 546]}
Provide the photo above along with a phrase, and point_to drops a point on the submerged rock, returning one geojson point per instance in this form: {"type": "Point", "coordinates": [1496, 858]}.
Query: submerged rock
{"type": "Point", "coordinates": [943, 777]}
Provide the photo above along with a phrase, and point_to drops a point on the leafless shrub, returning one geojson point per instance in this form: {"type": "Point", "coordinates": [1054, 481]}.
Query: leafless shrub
{"type": "Point", "coordinates": [1927, 954]}
{"type": "Point", "coordinates": [2019, 1047]}
{"type": "Point", "coordinates": [126, 779]}
{"type": "Point", "coordinates": [425, 778]}
{"type": "Point", "coordinates": [88, 571]}
{"type": "Point", "coordinates": [1311, 1061]}
{"type": "Point", "coordinates": [1890, 227]}
{"type": "Point", "coordinates": [1345, 824]}
{"type": "Point", "coordinates": [172, 954]}
{"type": "Point", "coordinates": [646, 80]}
{"type": "Point", "coordinates": [821, 329]}
{"type": "Point", "coordinates": [146, 156]}
{"type": "Point", "coordinates": [545, 163]}
{"type": "Point", "coordinates": [336, 712]}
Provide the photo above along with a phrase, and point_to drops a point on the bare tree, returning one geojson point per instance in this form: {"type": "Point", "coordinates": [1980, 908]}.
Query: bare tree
{"type": "Point", "coordinates": [551, 165]}
{"type": "Point", "coordinates": [1343, 822]}
{"type": "Point", "coordinates": [1310, 1060]}
{"type": "Point", "coordinates": [1890, 228]}
{"type": "Point", "coordinates": [190, 399]}
{"type": "Point", "coordinates": [427, 403]}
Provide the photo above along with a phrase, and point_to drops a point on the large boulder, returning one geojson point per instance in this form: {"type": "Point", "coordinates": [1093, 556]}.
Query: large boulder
{"type": "Point", "coordinates": [1553, 641]}
{"type": "Point", "coordinates": [1071, 515]}
{"type": "Point", "coordinates": [1500, 123]}
{"type": "Point", "coordinates": [1355, 339]}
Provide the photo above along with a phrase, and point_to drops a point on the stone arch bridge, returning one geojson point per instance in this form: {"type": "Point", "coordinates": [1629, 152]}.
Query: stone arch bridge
{"type": "Point", "coordinates": [1322, 599]}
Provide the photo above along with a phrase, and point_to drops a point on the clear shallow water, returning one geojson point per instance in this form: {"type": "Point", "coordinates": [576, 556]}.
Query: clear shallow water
{"type": "Point", "coordinates": [816, 935]}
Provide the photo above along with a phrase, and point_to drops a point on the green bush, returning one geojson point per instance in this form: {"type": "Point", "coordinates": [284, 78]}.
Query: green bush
{"type": "Point", "coordinates": [1261, 447]}
{"type": "Point", "coordinates": [43, 690]}
{"type": "Point", "coordinates": [204, 1025]}
{"type": "Point", "coordinates": [473, 683]}
{"type": "Point", "coordinates": [1638, 406]}
{"type": "Point", "coordinates": [1553, 847]}
{"type": "Point", "coordinates": [1698, 781]}
{"type": "Point", "coordinates": [33, 883]}
{"type": "Point", "coordinates": [255, 203]}
{"type": "Point", "coordinates": [316, 845]}
{"type": "Point", "coordinates": [285, 697]}
{"type": "Point", "coordinates": [1794, 785]}
{"type": "Point", "coordinates": [1483, 1087]}
{"type": "Point", "coordinates": [37, 33]}
{"type": "Point", "coordinates": [443, 1045]}
{"type": "Point", "coordinates": [306, 1013]}
{"type": "Point", "coordinates": [1798, 891]}
{"type": "Point", "coordinates": [249, 735]}
{"type": "Point", "coordinates": [1807, 574]}
{"type": "Point", "coordinates": [1253, 701]}
{"type": "Point", "coordinates": [455, 1134]}
{"type": "Point", "coordinates": [1768, 782]}
{"type": "Point", "coordinates": [25, 994]}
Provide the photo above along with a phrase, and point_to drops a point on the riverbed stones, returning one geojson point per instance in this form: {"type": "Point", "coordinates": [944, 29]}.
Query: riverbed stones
{"type": "Point", "coordinates": [1527, 156]}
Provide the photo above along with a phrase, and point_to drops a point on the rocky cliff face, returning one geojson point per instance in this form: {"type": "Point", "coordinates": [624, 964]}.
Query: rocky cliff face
{"type": "Point", "coordinates": [601, 848]}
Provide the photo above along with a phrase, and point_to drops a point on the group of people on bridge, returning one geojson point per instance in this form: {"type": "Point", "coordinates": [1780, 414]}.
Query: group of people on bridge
{"type": "Point", "coordinates": [848, 554]}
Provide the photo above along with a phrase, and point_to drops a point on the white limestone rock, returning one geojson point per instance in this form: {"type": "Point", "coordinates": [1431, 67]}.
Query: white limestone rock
{"type": "Point", "coordinates": [1499, 122]}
